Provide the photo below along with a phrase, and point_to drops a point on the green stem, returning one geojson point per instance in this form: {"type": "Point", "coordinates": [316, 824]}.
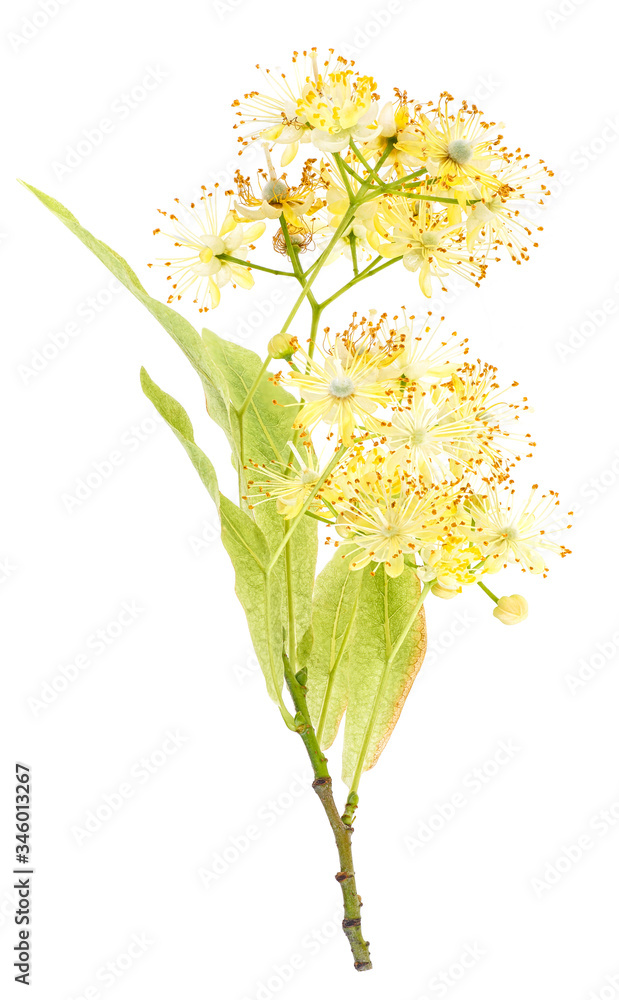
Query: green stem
{"type": "Point", "coordinates": [253, 387]}
{"type": "Point", "coordinates": [416, 177]}
{"type": "Point", "coordinates": [312, 274]}
{"type": "Point", "coordinates": [371, 170]}
{"type": "Point", "coordinates": [369, 272]}
{"type": "Point", "coordinates": [349, 215]}
{"type": "Point", "coordinates": [353, 253]}
{"type": "Point", "coordinates": [302, 278]}
{"type": "Point", "coordinates": [316, 312]}
{"type": "Point", "coordinates": [391, 653]}
{"type": "Point", "coordinates": [248, 263]}
{"type": "Point", "coordinates": [343, 168]}
{"type": "Point", "coordinates": [325, 475]}
{"type": "Point", "coordinates": [292, 633]}
{"type": "Point", "coordinates": [318, 517]}
{"type": "Point", "coordinates": [342, 832]}
{"type": "Point", "coordinates": [346, 167]}
{"type": "Point", "coordinates": [488, 592]}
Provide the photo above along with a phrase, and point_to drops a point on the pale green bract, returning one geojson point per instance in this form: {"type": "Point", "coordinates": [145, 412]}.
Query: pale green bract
{"type": "Point", "coordinates": [335, 602]}
{"type": "Point", "coordinates": [385, 657]}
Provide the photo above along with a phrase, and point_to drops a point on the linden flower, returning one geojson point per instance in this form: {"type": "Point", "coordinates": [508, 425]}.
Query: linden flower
{"type": "Point", "coordinates": [505, 534]}
{"type": "Point", "coordinates": [290, 487]}
{"type": "Point", "coordinates": [340, 392]}
{"type": "Point", "coordinates": [205, 240]}
{"type": "Point", "coordinates": [273, 117]}
{"type": "Point", "coordinates": [430, 247]}
{"type": "Point", "coordinates": [459, 148]}
{"type": "Point", "coordinates": [423, 360]}
{"type": "Point", "coordinates": [480, 398]}
{"type": "Point", "coordinates": [396, 127]}
{"type": "Point", "coordinates": [429, 439]}
{"type": "Point", "coordinates": [277, 197]}
{"type": "Point", "coordinates": [389, 522]}
{"type": "Point", "coordinates": [451, 427]}
{"type": "Point", "coordinates": [452, 565]}
{"type": "Point", "coordinates": [496, 218]}
{"type": "Point", "coordinates": [368, 337]}
{"type": "Point", "coordinates": [326, 104]}
{"type": "Point", "coordinates": [337, 103]}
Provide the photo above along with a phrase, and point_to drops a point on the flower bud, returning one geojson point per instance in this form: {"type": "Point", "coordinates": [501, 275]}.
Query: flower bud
{"type": "Point", "coordinates": [443, 592]}
{"type": "Point", "coordinates": [282, 345]}
{"type": "Point", "coordinates": [511, 610]}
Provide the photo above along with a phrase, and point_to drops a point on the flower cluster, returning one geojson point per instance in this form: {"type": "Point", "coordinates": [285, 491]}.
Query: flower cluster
{"type": "Point", "coordinates": [425, 437]}
{"type": "Point", "coordinates": [432, 185]}
{"type": "Point", "coordinates": [425, 443]}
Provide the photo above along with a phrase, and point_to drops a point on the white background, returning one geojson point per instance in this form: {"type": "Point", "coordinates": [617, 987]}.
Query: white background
{"type": "Point", "coordinates": [147, 536]}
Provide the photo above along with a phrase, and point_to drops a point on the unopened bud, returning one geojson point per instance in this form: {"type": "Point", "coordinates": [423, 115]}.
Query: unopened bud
{"type": "Point", "coordinates": [511, 610]}
{"type": "Point", "coordinates": [443, 592]}
{"type": "Point", "coordinates": [282, 345]}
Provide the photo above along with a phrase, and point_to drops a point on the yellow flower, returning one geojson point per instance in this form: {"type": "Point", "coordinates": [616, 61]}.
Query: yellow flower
{"type": "Point", "coordinates": [457, 426]}
{"type": "Point", "coordinates": [422, 359]}
{"type": "Point", "coordinates": [427, 439]}
{"type": "Point", "coordinates": [428, 245]}
{"type": "Point", "coordinates": [454, 564]}
{"type": "Point", "coordinates": [273, 117]}
{"type": "Point", "coordinates": [289, 487]}
{"type": "Point", "coordinates": [391, 519]}
{"type": "Point", "coordinates": [461, 149]}
{"type": "Point", "coordinates": [507, 534]}
{"type": "Point", "coordinates": [204, 241]}
{"type": "Point", "coordinates": [396, 128]}
{"type": "Point", "coordinates": [339, 389]}
{"type": "Point", "coordinates": [498, 443]}
{"type": "Point", "coordinates": [337, 103]}
{"type": "Point", "coordinates": [498, 219]}
{"type": "Point", "coordinates": [277, 197]}
{"type": "Point", "coordinates": [327, 104]}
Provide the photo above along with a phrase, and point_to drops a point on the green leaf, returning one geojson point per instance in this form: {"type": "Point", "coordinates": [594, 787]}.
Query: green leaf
{"type": "Point", "coordinates": [303, 553]}
{"type": "Point", "coordinates": [177, 326]}
{"type": "Point", "coordinates": [267, 423]}
{"type": "Point", "coordinates": [336, 594]}
{"type": "Point", "coordinates": [384, 659]}
{"type": "Point", "coordinates": [267, 429]}
{"type": "Point", "coordinates": [176, 418]}
{"type": "Point", "coordinates": [260, 595]}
